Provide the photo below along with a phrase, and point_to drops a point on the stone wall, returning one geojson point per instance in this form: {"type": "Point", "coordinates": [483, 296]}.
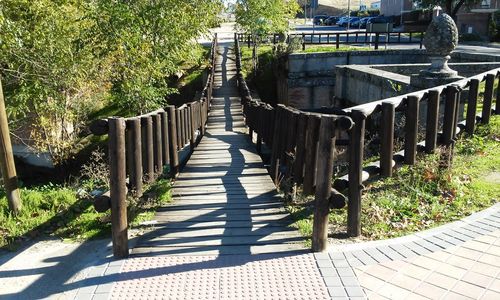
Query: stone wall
{"type": "Point", "coordinates": [362, 84]}
{"type": "Point", "coordinates": [309, 79]}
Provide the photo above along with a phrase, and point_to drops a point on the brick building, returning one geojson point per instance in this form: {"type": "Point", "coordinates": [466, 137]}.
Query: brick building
{"type": "Point", "coordinates": [476, 18]}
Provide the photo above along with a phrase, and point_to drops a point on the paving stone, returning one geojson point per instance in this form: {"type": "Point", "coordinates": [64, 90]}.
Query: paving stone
{"type": "Point", "coordinates": [101, 297]}
{"type": "Point", "coordinates": [391, 291]}
{"type": "Point", "coordinates": [336, 255]}
{"type": "Point", "coordinates": [328, 272]}
{"type": "Point", "coordinates": [419, 250]}
{"type": "Point", "coordinates": [332, 281]}
{"type": "Point", "coordinates": [461, 262]}
{"type": "Point", "coordinates": [345, 272]}
{"type": "Point", "coordinates": [467, 289]}
{"type": "Point", "coordinates": [370, 282]}
{"type": "Point", "coordinates": [415, 271]}
{"type": "Point", "coordinates": [454, 296]}
{"type": "Point", "coordinates": [405, 282]}
{"type": "Point", "coordinates": [340, 263]}
{"type": "Point", "coordinates": [354, 291]}
{"type": "Point", "coordinates": [87, 289]}
{"type": "Point", "coordinates": [321, 256]}
{"type": "Point", "coordinates": [104, 288]}
{"type": "Point", "coordinates": [443, 281]}
{"type": "Point", "coordinates": [350, 281]}
{"type": "Point", "coordinates": [112, 270]}
{"type": "Point", "coordinates": [495, 285]}
{"type": "Point", "coordinates": [407, 253]}
{"type": "Point", "coordinates": [439, 242]}
{"type": "Point", "coordinates": [477, 279]}
{"type": "Point", "coordinates": [388, 251]}
{"type": "Point", "coordinates": [485, 269]}
{"type": "Point", "coordinates": [429, 246]}
{"type": "Point", "coordinates": [355, 262]}
{"type": "Point", "coordinates": [337, 292]}
{"type": "Point", "coordinates": [430, 291]}
{"type": "Point", "coordinates": [381, 272]}
{"type": "Point", "coordinates": [490, 295]}
{"type": "Point", "coordinates": [82, 296]}
{"type": "Point", "coordinates": [323, 263]}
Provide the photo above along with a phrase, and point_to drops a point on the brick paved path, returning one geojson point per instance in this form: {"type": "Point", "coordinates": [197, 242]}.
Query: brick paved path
{"type": "Point", "coordinates": [227, 238]}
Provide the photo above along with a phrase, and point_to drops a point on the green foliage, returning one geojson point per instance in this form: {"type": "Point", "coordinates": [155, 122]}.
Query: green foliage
{"type": "Point", "coordinates": [61, 60]}
{"type": "Point", "coordinates": [424, 195]}
{"type": "Point", "coordinates": [263, 79]}
{"type": "Point", "coordinates": [469, 37]}
{"type": "Point", "coordinates": [50, 209]}
{"type": "Point", "coordinates": [261, 17]}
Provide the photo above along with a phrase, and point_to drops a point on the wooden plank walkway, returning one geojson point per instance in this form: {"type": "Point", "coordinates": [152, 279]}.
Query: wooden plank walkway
{"type": "Point", "coordinates": [224, 201]}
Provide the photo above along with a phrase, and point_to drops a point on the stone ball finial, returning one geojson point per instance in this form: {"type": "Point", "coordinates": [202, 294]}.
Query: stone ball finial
{"type": "Point", "coordinates": [441, 36]}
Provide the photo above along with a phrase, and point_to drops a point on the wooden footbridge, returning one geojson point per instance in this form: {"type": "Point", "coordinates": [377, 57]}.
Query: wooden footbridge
{"type": "Point", "coordinates": [224, 201]}
{"type": "Point", "coordinates": [224, 197]}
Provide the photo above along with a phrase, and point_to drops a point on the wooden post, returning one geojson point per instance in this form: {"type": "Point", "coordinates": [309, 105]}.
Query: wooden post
{"type": "Point", "coordinates": [298, 169]}
{"type": "Point", "coordinates": [313, 123]}
{"type": "Point", "coordinates": [497, 98]}
{"type": "Point", "coordinates": [432, 121]}
{"type": "Point", "coordinates": [449, 125]}
{"type": "Point", "coordinates": [178, 128]}
{"type": "Point", "coordinates": [324, 176]}
{"type": "Point", "coordinates": [470, 120]}
{"type": "Point", "coordinates": [411, 129]}
{"type": "Point", "coordinates": [356, 148]}
{"type": "Point", "coordinates": [275, 155]}
{"type": "Point", "coordinates": [191, 126]}
{"type": "Point", "coordinates": [7, 161]}
{"type": "Point", "coordinates": [387, 139]}
{"type": "Point", "coordinates": [118, 188]}
{"type": "Point", "coordinates": [134, 155]}
{"type": "Point", "coordinates": [157, 144]}
{"type": "Point", "coordinates": [187, 130]}
{"type": "Point", "coordinates": [148, 153]}
{"type": "Point", "coordinates": [164, 138]}
{"type": "Point", "coordinates": [488, 97]}
{"type": "Point", "coordinates": [172, 128]}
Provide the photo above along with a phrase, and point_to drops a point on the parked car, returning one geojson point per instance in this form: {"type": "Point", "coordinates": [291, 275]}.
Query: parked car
{"type": "Point", "coordinates": [332, 20]}
{"type": "Point", "coordinates": [319, 19]}
{"type": "Point", "coordinates": [363, 21]}
{"type": "Point", "coordinates": [354, 22]}
{"type": "Point", "coordinates": [379, 19]}
{"type": "Point", "coordinates": [343, 21]}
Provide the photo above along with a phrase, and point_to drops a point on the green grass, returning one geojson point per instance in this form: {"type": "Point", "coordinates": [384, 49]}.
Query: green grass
{"type": "Point", "coordinates": [264, 79]}
{"type": "Point", "coordinates": [58, 210]}
{"type": "Point", "coordinates": [332, 48]}
{"type": "Point", "coordinates": [50, 209]}
{"type": "Point", "coordinates": [423, 196]}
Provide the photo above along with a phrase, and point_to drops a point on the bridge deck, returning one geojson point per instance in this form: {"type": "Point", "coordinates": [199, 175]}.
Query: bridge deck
{"type": "Point", "coordinates": [224, 201]}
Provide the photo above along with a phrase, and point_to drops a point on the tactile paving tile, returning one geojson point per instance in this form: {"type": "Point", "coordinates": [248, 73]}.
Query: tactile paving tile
{"type": "Point", "coordinates": [265, 276]}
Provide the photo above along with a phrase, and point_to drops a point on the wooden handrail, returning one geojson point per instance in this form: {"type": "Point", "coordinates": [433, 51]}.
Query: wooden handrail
{"type": "Point", "coordinates": [294, 139]}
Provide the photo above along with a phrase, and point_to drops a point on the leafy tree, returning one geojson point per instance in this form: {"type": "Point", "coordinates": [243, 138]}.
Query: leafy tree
{"type": "Point", "coordinates": [62, 59]}
{"type": "Point", "coordinates": [261, 17]}
{"type": "Point", "coordinates": [148, 40]}
{"type": "Point", "coordinates": [451, 7]}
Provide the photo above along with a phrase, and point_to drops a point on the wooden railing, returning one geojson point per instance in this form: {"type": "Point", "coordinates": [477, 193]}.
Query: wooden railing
{"type": "Point", "coordinates": [298, 141]}
{"type": "Point", "coordinates": [303, 143]}
{"type": "Point", "coordinates": [141, 146]}
{"type": "Point", "coordinates": [343, 38]}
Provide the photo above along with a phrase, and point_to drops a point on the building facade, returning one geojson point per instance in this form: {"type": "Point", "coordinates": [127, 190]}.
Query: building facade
{"type": "Point", "coordinates": [476, 19]}
{"type": "Point", "coordinates": [395, 7]}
